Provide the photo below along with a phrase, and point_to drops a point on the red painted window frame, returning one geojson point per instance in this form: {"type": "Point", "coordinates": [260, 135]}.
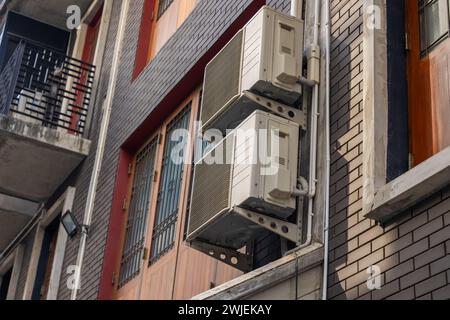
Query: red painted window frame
{"type": "Point", "coordinates": [145, 36]}
{"type": "Point", "coordinates": [90, 42]}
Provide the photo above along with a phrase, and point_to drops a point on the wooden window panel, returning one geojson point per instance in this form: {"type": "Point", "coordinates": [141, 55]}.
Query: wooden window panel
{"type": "Point", "coordinates": [157, 26]}
{"type": "Point", "coordinates": [428, 92]}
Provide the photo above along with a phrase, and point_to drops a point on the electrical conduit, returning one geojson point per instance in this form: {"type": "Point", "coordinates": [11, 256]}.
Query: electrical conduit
{"type": "Point", "coordinates": [89, 209]}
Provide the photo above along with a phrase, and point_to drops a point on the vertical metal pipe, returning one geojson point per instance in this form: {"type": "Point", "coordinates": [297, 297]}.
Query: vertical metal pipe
{"type": "Point", "coordinates": [328, 153]}
{"type": "Point", "coordinates": [314, 133]}
{"type": "Point", "coordinates": [101, 145]}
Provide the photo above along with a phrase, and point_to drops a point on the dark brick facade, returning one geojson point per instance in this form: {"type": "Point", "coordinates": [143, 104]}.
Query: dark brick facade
{"type": "Point", "coordinates": [133, 102]}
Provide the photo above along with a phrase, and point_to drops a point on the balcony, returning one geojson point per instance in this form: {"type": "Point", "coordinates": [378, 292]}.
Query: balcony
{"type": "Point", "coordinates": [48, 11]}
{"type": "Point", "coordinates": [44, 110]}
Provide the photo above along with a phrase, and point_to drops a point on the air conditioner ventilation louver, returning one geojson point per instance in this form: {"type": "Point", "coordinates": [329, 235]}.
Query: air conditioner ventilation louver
{"type": "Point", "coordinates": [222, 78]}
{"type": "Point", "coordinates": [265, 59]}
{"type": "Point", "coordinates": [212, 182]}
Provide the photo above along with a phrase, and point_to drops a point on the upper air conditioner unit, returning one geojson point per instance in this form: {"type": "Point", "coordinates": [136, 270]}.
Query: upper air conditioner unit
{"type": "Point", "coordinates": [264, 58]}
{"type": "Point", "coordinates": [254, 168]}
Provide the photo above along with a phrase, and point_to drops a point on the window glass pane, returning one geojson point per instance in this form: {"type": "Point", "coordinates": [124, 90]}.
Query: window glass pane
{"type": "Point", "coordinates": [423, 34]}
{"type": "Point", "coordinates": [170, 187]}
{"type": "Point", "coordinates": [163, 6]}
{"type": "Point", "coordinates": [437, 20]}
{"type": "Point", "coordinates": [434, 23]}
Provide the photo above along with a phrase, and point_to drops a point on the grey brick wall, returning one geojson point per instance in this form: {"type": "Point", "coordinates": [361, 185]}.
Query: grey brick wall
{"type": "Point", "coordinates": [412, 251]}
{"type": "Point", "coordinates": [133, 102]}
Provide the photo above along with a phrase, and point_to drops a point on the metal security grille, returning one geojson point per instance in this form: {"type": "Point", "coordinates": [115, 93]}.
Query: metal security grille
{"type": "Point", "coordinates": [8, 77]}
{"type": "Point", "coordinates": [138, 213]}
{"type": "Point", "coordinates": [163, 6]}
{"type": "Point", "coordinates": [169, 193]}
{"type": "Point", "coordinates": [47, 87]}
{"type": "Point", "coordinates": [198, 142]}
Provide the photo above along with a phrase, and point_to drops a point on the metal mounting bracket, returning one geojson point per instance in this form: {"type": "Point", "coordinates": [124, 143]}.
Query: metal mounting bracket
{"type": "Point", "coordinates": [236, 259]}
{"type": "Point", "coordinates": [84, 229]}
{"type": "Point", "coordinates": [285, 229]}
{"type": "Point", "coordinates": [292, 114]}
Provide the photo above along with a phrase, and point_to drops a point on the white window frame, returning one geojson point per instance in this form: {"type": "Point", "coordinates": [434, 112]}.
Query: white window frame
{"type": "Point", "coordinates": [63, 204]}
{"type": "Point", "coordinates": [383, 201]}
{"type": "Point", "coordinates": [14, 262]}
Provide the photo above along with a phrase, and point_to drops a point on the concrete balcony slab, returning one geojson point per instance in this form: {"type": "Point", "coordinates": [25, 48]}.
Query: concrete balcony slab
{"type": "Point", "coordinates": [36, 160]}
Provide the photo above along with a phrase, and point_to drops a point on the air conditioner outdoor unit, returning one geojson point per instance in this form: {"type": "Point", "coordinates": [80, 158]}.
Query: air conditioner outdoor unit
{"type": "Point", "coordinates": [254, 168]}
{"type": "Point", "coordinates": [264, 58]}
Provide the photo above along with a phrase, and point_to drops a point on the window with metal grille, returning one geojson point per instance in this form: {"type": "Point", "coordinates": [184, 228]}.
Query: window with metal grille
{"type": "Point", "coordinates": [434, 23]}
{"type": "Point", "coordinates": [170, 187]}
{"type": "Point", "coordinates": [163, 5]}
{"type": "Point", "coordinates": [199, 144]}
{"type": "Point", "coordinates": [138, 213]}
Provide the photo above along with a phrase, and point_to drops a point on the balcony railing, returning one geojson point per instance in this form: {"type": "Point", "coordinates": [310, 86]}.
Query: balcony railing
{"type": "Point", "coordinates": [46, 87]}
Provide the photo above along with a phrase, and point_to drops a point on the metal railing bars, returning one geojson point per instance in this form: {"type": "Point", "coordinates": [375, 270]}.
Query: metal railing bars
{"type": "Point", "coordinates": [46, 87]}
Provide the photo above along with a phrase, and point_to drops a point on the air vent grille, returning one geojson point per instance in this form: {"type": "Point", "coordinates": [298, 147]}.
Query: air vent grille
{"type": "Point", "coordinates": [222, 78]}
{"type": "Point", "coordinates": [211, 189]}
{"type": "Point", "coordinates": [210, 194]}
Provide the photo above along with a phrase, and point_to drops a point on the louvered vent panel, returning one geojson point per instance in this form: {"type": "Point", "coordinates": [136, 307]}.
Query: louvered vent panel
{"type": "Point", "coordinates": [210, 194]}
{"type": "Point", "coordinates": [211, 190]}
{"type": "Point", "coordinates": [222, 78]}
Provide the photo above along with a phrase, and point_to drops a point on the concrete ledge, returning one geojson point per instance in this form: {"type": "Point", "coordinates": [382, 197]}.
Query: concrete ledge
{"type": "Point", "coordinates": [15, 213]}
{"type": "Point", "coordinates": [412, 187]}
{"type": "Point", "coordinates": [267, 276]}
{"type": "Point", "coordinates": [58, 139]}
{"type": "Point", "coordinates": [10, 204]}
{"type": "Point", "coordinates": [36, 160]}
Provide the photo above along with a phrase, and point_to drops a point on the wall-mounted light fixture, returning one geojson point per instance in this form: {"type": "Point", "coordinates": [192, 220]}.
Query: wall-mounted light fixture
{"type": "Point", "coordinates": [70, 224]}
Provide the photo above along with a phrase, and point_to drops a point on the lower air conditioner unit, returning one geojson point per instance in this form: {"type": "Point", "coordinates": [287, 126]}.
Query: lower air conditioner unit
{"type": "Point", "coordinates": [257, 170]}
{"type": "Point", "coordinates": [264, 58]}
